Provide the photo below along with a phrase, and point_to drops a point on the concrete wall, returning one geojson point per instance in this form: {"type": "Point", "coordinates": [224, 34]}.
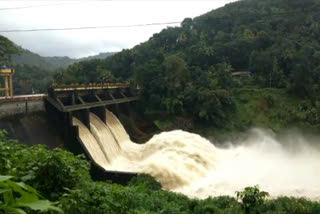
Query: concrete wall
{"type": "Point", "coordinates": [22, 107]}
{"type": "Point", "coordinates": [32, 128]}
{"type": "Point", "coordinates": [27, 122]}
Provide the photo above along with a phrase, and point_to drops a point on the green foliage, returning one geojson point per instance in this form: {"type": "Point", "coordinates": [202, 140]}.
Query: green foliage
{"type": "Point", "coordinates": [222, 72]}
{"type": "Point", "coordinates": [31, 79]}
{"type": "Point", "coordinates": [85, 72]}
{"type": "Point", "coordinates": [290, 205]}
{"type": "Point", "coordinates": [145, 181]}
{"type": "Point", "coordinates": [272, 108]}
{"type": "Point", "coordinates": [93, 197]}
{"type": "Point", "coordinates": [252, 198]}
{"type": "Point", "coordinates": [213, 106]}
{"type": "Point", "coordinates": [78, 194]}
{"type": "Point", "coordinates": [49, 171]}
{"type": "Point", "coordinates": [17, 197]}
{"type": "Point", "coordinates": [7, 49]}
{"type": "Point", "coordinates": [222, 204]}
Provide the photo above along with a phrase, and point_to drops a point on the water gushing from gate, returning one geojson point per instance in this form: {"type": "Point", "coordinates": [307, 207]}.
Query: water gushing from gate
{"type": "Point", "coordinates": [190, 164]}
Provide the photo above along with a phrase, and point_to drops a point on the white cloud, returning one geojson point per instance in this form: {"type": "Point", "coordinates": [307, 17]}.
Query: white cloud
{"type": "Point", "coordinates": [79, 43]}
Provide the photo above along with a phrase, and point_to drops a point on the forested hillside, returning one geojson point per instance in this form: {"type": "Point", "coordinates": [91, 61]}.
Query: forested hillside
{"type": "Point", "coordinates": [26, 57]}
{"type": "Point", "coordinates": [187, 70]}
{"type": "Point", "coordinates": [34, 73]}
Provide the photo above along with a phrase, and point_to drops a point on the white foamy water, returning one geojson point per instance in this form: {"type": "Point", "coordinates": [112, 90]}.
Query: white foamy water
{"type": "Point", "coordinates": [190, 164]}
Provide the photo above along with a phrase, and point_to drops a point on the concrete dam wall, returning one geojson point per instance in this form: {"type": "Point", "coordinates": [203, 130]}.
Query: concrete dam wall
{"type": "Point", "coordinates": [25, 119]}
{"type": "Point", "coordinates": [8, 109]}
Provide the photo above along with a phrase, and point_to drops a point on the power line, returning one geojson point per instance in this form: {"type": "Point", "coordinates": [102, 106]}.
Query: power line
{"type": "Point", "coordinates": [138, 25]}
{"type": "Point", "coordinates": [87, 28]}
{"type": "Point", "coordinates": [31, 6]}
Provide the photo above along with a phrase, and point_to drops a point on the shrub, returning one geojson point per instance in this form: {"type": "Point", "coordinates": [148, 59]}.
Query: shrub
{"type": "Point", "coordinates": [49, 171]}
{"type": "Point", "coordinates": [18, 198]}
{"type": "Point", "coordinates": [91, 196]}
{"type": "Point", "coordinates": [290, 205]}
{"type": "Point", "coordinates": [251, 198]}
{"type": "Point", "coordinates": [145, 181]}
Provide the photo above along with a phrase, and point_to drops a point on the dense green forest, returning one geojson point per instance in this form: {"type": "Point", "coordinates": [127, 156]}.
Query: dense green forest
{"type": "Point", "coordinates": [30, 79]}
{"type": "Point", "coordinates": [62, 184]}
{"type": "Point", "coordinates": [187, 70]}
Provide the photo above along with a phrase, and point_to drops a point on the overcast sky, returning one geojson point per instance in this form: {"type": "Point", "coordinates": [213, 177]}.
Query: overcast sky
{"type": "Point", "coordinates": [81, 43]}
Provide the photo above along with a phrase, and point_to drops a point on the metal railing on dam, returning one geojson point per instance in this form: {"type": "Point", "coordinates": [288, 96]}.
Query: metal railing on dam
{"type": "Point", "coordinates": [68, 98]}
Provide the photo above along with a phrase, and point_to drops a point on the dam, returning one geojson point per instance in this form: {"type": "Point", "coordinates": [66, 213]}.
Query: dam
{"type": "Point", "coordinates": [67, 113]}
{"type": "Point", "coordinates": [93, 120]}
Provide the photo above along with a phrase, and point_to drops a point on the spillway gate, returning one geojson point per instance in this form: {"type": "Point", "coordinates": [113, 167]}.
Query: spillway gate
{"type": "Point", "coordinates": [66, 101]}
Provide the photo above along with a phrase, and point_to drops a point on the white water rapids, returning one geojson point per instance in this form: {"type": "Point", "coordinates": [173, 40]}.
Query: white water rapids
{"type": "Point", "coordinates": [190, 164]}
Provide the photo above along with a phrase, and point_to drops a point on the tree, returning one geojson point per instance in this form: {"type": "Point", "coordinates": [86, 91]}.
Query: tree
{"type": "Point", "coordinates": [187, 23]}
{"type": "Point", "coordinates": [261, 64]}
{"type": "Point", "coordinates": [176, 77]}
{"type": "Point", "coordinates": [277, 78]}
{"type": "Point", "coordinates": [150, 77]}
{"type": "Point", "coordinates": [7, 49]}
{"type": "Point", "coordinates": [251, 198]}
{"type": "Point", "coordinates": [223, 73]}
{"type": "Point", "coordinates": [263, 40]}
{"type": "Point", "coordinates": [304, 74]}
{"type": "Point", "coordinates": [120, 64]}
{"type": "Point", "coordinates": [105, 74]}
{"type": "Point", "coordinates": [31, 79]}
{"type": "Point", "coordinates": [176, 71]}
